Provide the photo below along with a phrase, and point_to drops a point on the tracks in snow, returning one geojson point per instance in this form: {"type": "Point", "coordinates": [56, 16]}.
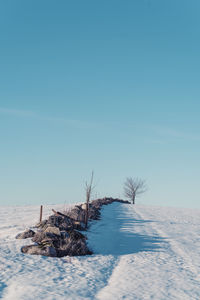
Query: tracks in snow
{"type": "Point", "coordinates": [181, 258]}
{"type": "Point", "coordinates": [157, 261]}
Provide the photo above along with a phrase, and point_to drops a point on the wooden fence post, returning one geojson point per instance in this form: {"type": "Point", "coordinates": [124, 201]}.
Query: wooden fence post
{"type": "Point", "coordinates": [41, 208]}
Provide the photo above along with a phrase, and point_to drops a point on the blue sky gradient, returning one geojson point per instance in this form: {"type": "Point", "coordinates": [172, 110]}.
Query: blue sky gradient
{"type": "Point", "coordinates": [109, 86]}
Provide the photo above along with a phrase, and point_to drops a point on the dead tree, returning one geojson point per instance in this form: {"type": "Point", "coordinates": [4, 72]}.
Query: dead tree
{"type": "Point", "coordinates": [134, 187]}
{"type": "Point", "coordinates": [88, 189]}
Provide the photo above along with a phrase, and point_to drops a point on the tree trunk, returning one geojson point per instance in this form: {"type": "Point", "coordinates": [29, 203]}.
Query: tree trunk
{"type": "Point", "coordinates": [86, 214]}
{"type": "Point", "coordinates": [133, 200]}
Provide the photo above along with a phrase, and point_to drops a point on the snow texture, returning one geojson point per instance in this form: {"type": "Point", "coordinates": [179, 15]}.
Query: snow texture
{"type": "Point", "coordinates": [141, 253]}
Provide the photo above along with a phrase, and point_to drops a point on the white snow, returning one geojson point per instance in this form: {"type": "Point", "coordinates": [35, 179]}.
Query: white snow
{"type": "Point", "coordinates": [141, 252]}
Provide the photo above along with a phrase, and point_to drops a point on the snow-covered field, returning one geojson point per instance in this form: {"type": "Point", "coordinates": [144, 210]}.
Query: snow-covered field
{"type": "Point", "coordinates": [141, 252]}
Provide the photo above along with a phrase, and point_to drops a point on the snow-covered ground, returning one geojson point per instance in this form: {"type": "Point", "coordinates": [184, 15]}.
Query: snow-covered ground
{"type": "Point", "coordinates": [141, 253]}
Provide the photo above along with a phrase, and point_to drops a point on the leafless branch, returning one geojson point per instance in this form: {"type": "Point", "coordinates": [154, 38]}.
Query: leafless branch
{"type": "Point", "coordinates": [88, 189]}
{"type": "Point", "coordinates": [134, 187]}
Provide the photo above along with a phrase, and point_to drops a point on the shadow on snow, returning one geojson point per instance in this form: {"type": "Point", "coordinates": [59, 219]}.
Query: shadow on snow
{"type": "Point", "coordinates": [114, 233]}
{"type": "Point", "coordinates": [2, 287]}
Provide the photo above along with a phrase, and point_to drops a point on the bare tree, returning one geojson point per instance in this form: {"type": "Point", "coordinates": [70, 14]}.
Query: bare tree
{"type": "Point", "coordinates": [88, 189]}
{"type": "Point", "coordinates": [134, 187]}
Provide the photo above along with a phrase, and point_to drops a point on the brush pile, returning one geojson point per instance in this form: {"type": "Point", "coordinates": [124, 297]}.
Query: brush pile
{"type": "Point", "coordinates": [60, 234]}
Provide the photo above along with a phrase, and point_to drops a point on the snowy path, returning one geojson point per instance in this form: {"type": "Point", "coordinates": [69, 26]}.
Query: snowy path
{"type": "Point", "coordinates": [141, 253]}
{"type": "Point", "coordinates": [170, 270]}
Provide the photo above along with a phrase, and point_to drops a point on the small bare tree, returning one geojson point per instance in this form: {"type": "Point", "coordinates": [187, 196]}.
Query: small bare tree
{"type": "Point", "coordinates": [134, 187]}
{"type": "Point", "coordinates": [88, 189]}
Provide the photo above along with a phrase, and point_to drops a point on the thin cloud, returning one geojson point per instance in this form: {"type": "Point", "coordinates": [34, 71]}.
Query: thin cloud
{"type": "Point", "coordinates": [17, 113]}
{"type": "Point", "coordinates": [166, 132]}
{"type": "Point", "coordinates": [32, 115]}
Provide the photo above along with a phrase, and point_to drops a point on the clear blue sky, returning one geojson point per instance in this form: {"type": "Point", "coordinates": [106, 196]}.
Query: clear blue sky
{"type": "Point", "coordinates": [110, 86]}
